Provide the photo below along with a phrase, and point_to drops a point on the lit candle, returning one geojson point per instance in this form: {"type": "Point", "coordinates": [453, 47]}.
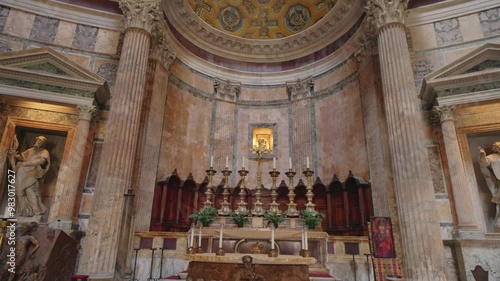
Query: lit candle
{"type": "Point", "coordinates": [211, 161]}
{"type": "Point", "coordinates": [220, 235]}
{"type": "Point", "coordinates": [227, 162]}
{"type": "Point", "coordinates": [192, 237]}
{"type": "Point", "coordinates": [272, 236]}
{"type": "Point", "coordinates": [307, 162]}
{"type": "Point", "coordinates": [199, 238]}
{"type": "Point", "coordinates": [274, 162]}
{"type": "Point", "coordinates": [290, 162]}
{"type": "Point", "coordinates": [243, 160]}
{"type": "Point", "coordinates": [305, 239]}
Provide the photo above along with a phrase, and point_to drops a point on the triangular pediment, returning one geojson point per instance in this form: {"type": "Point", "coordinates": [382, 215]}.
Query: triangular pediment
{"type": "Point", "coordinates": [47, 71]}
{"type": "Point", "coordinates": [475, 74]}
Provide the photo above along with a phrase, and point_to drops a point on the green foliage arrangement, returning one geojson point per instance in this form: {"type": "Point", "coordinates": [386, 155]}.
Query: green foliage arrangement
{"type": "Point", "coordinates": [274, 217]}
{"type": "Point", "coordinates": [312, 219]}
{"type": "Point", "coordinates": [239, 218]}
{"type": "Point", "coordinates": [205, 216]}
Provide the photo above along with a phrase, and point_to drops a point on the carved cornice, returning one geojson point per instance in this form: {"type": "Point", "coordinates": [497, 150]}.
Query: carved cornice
{"type": "Point", "coordinates": [366, 46]}
{"type": "Point", "coordinates": [331, 27]}
{"type": "Point", "coordinates": [140, 13]}
{"type": "Point", "coordinates": [300, 89]}
{"type": "Point", "coordinates": [160, 50]}
{"type": "Point", "coordinates": [445, 113]}
{"type": "Point", "coordinates": [86, 112]}
{"type": "Point", "coordinates": [383, 12]}
{"type": "Point", "coordinates": [226, 90]}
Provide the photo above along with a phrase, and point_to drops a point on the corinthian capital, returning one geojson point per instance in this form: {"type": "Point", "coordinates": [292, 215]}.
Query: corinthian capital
{"type": "Point", "coordinates": [86, 112]}
{"type": "Point", "coordinates": [140, 13]}
{"type": "Point", "coordinates": [444, 112]}
{"type": "Point", "coordinates": [382, 12]}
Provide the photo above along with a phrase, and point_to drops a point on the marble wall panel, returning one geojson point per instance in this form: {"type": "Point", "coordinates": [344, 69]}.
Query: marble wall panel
{"type": "Point", "coordinates": [44, 29]}
{"type": "Point", "coordinates": [263, 93]}
{"type": "Point", "coordinates": [85, 37]}
{"type": "Point", "coordinates": [183, 73]}
{"type": "Point", "coordinates": [444, 210]}
{"type": "Point", "coordinates": [490, 22]}
{"type": "Point", "coordinates": [94, 165]}
{"type": "Point", "coordinates": [453, 55]}
{"type": "Point", "coordinates": [82, 60]}
{"type": "Point", "coordinates": [423, 37]}
{"type": "Point", "coordinates": [336, 76]}
{"type": "Point", "coordinates": [470, 27]}
{"type": "Point", "coordinates": [106, 69]}
{"type": "Point", "coordinates": [4, 13]}
{"type": "Point", "coordinates": [254, 115]}
{"type": "Point", "coordinates": [448, 32]}
{"type": "Point", "coordinates": [19, 24]}
{"type": "Point", "coordinates": [43, 116]}
{"type": "Point", "coordinates": [436, 169]}
{"type": "Point", "coordinates": [340, 134]}
{"type": "Point", "coordinates": [7, 46]}
{"type": "Point", "coordinates": [451, 263]}
{"type": "Point", "coordinates": [423, 65]}
{"type": "Point", "coordinates": [485, 253]}
{"type": "Point", "coordinates": [186, 135]}
{"type": "Point", "coordinates": [86, 204]}
{"type": "Point", "coordinates": [65, 34]}
{"type": "Point", "coordinates": [107, 41]}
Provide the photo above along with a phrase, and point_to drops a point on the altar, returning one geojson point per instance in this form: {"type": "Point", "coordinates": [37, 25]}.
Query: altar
{"type": "Point", "coordinates": [248, 267]}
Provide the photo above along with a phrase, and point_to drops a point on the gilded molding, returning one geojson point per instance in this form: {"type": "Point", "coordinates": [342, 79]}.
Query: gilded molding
{"type": "Point", "coordinates": [383, 12]}
{"type": "Point", "coordinates": [141, 14]}
{"type": "Point", "coordinates": [445, 113]}
{"type": "Point", "coordinates": [86, 112]}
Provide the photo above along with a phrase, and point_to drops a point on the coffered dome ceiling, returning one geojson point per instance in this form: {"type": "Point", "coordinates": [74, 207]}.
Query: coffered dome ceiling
{"type": "Point", "coordinates": [261, 19]}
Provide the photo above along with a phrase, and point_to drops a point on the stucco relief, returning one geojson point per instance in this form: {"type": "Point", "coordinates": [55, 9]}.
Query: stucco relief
{"type": "Point", "coordinates": [490, 22]}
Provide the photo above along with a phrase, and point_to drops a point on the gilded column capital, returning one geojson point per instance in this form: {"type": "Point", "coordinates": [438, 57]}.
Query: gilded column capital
{"type": "Point", "coordinates": [444, 113]}
{"type": "Point", "coordinates": [382, 12]}
{"type": "Point", "coordinates": [86, 112]}
{"type": "Point", "coordinates": [140, 13]}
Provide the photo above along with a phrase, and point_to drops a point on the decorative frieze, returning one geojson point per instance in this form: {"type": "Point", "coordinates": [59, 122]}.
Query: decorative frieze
{"type": "Point", "coordinates": [140, 13]}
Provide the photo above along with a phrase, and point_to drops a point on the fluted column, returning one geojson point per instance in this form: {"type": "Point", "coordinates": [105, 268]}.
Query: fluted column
{"type": "Point", "coordinates": [114, 176]}
{"type": "Point", "coordinates": [74, 164]}
{"type": "Point", "coordinates": [420, 234]}
{"type": "Point", "coordinates": [461, 195]}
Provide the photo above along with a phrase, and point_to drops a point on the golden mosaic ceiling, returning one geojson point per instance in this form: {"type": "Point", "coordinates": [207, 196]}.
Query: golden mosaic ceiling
{"type": "Point", "coordinates": [261, 19]}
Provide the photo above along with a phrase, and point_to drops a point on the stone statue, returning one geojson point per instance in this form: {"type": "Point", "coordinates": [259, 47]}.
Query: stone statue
{"type": "Point", "coordinates": [30, 167]}
{"type": "Point", "coordinates": [490, 168]}
{"type": "Point", "coordinates": [247, 273]}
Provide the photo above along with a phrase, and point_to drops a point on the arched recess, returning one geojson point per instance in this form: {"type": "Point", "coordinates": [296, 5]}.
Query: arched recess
{"type": "Point", "coordinates": [320, 201]}
{"type": "Point", "coordinates": [300, 195]}
{"type": "Point", "coordinates": [337, 215]}
{"type": "Point", "coordinates": [165, 203]}
{"type": "Point", "coordinates": [283, 197]}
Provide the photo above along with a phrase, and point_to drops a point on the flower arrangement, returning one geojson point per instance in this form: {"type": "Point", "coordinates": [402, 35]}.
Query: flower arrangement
{"type": "Point", "coordinates": [274, 217]}
{"type": "Point", "coordinates": [239, 218]}
{"type": "Point", "coordinates": [205, 216]}
{"type": "Point", "coordinates": [312, 219]}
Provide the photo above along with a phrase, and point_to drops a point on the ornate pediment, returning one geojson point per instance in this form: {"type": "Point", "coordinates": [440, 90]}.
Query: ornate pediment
{"type": "Point", "coordinates": [473, 78]}
{"type": "Point", "coordinates": [46, 74]}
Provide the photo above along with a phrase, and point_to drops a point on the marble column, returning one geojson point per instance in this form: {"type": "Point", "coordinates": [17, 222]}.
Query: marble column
{"type": "Point", "coordinates": [466, 226]}
{"type": "Point", "coordinates": [74, 164]}
{"type": "Point", "coordinates": [420, 233]}
{"type": "Point", "coordinates": [114, 176]}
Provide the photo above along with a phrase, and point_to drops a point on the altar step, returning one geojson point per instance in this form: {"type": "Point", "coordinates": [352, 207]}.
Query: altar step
{"type": "Point", "coordinates": [312, 277]}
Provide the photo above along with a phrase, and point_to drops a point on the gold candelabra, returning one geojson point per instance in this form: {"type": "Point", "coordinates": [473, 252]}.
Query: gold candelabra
{"type": "Point", "coordinates": [274, 207]}
{"type": "Point", "coordinates": [309, 194]}
{"type": "Point", "coordinates": [208, 194]}
{"type": "Point", "coordinates": [292, 206]}
{"type": "Point", "coordinates": [257, 209]}
{"type": "Point", "coordinates": [242, 205]}
{"type": "Point", "coordinates": [224, 209]}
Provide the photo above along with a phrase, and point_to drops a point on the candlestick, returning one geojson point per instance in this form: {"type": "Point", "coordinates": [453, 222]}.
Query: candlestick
{"type": "Point", "coordinates": [272, 236]}
{"type": "Point", "coordinates": [274, 162]}
{"type": "Point", "coordinates": [305, 240]}
{"type": "Point", "coordinates": [307, 162]}
{"type": "Point", "coordinates": [290, 162]}
{"type": "Point", "coordinates": [243, 160]}
{"type": "Point", "coordinates": [227, 162]}
{"type": "Point", "coordinates": [211, 161]}
{"type": "Point", "coordinates": [220, 235]}
{"type": "Point", "coordinates": [302, 237]}
{"type": "Point", "coordinates": [199, 238]}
